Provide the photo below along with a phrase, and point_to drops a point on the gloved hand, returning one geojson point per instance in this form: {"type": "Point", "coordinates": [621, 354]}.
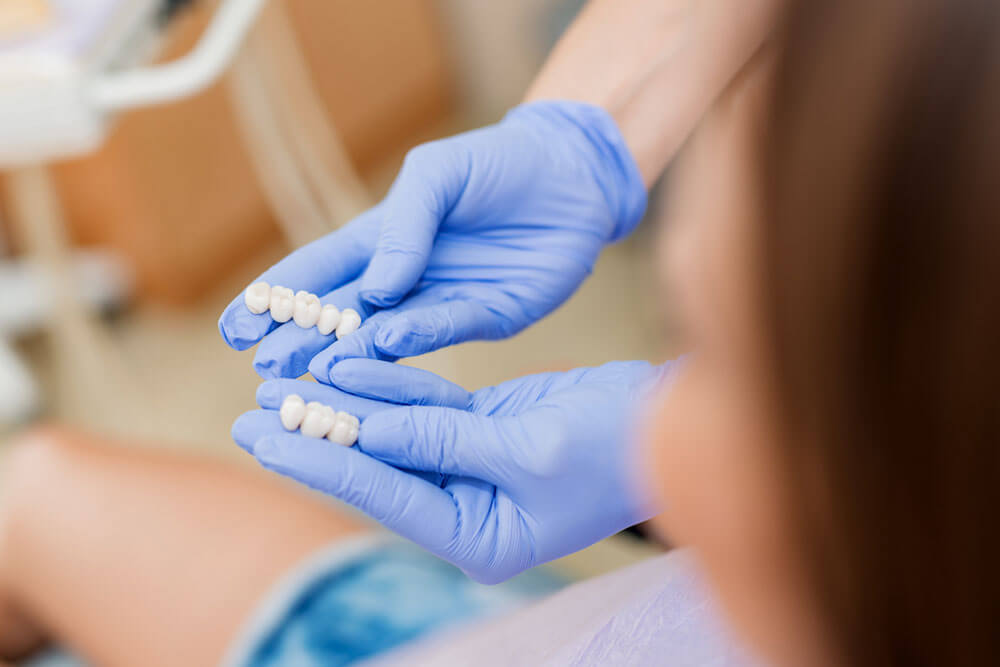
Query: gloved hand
{"type": "Point", "coordinates": [511, 476]}
{"type": "Point", "coordinates": [481, 235]}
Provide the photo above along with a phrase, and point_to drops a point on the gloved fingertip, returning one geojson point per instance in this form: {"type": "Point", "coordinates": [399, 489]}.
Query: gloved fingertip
{"type": "Point", "coordinates": [376, 288]}
{"type": "Point", "coordinates": [358, 345]}
{"type": "Point", "coordinates": [320, 367]}
{"type": "Point", "coordinates": [404, 337]}
{"type": "Point", "coordinates": [269, 369]}
{"type": "Point", "coordinates": [269, 394]}
{"type": "Point", "coordinates": [390, 277]}
{"type": "Point", "coordinates": [241, 433]}
{"type": "Point", "coordinates": [224, 331]}
{"type": "Point", "coordinates": [380, 298]}
{"type": "Point", "coordinates": [341, 375]}
{"type": "Point", "coordinates": [237, 332]}
{"type": "Point", "coordinates": [377, 428]}
{"type": "Point", "coordinates": [267, 451]}
{"type": "Point", "coordinates": [388, 337]}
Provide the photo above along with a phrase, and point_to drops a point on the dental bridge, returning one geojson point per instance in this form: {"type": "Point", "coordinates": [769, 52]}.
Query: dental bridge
{"type": "Point", "coordinates": [67, 68]}
{"type": "Point", "coordinates": [315, 420]}
{"type": "Point", "coordinates": [302, 307]}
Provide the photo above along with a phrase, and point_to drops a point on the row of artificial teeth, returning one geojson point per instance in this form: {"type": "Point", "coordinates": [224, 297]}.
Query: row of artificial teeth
{"type": "Point", "coordinates": [316, 420]}
{"type": "Point", "coordinates": [301, 307]}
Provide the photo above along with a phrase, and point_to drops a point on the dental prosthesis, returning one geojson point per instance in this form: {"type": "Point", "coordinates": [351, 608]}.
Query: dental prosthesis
{"type": "Point", "coordinates": [301, 307]}
{"type": "Point", "coordinates": [316, 420]}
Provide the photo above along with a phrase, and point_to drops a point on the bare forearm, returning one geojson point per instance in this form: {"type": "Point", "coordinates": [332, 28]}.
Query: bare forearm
{"type": "Point", "coordinates": [655, 65]}
{"type": "Point", "coordinates": [132, 557]}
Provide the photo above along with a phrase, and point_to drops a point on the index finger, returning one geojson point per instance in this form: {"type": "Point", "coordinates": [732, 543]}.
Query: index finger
{"type": "Point", "coordinates": [319, 267]}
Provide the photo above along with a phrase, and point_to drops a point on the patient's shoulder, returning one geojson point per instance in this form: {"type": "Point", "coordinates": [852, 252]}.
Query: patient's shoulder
{"type": "Point", "coordinates": [646, 613]}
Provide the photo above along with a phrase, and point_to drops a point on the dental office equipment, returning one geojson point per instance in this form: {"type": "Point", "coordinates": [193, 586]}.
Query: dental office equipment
{"type": "Point", "coordinates": [61, 82]}
{"type": "Point", "coordinates": [66, 67]}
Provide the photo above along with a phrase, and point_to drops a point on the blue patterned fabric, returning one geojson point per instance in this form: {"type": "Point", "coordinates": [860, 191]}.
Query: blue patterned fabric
{"type": "Point", "coordinates": [380, 599]}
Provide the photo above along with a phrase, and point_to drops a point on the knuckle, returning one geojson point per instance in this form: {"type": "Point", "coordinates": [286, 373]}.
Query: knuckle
{"type": "Point", "coordinates": [419, 157]}
{"type": "Point", "coordinates": [551, 447]}
{"type": "Point", "coordinates": [433, 437]}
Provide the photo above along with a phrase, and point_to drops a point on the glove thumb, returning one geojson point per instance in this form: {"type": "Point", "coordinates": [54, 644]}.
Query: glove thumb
{"type": "Point", "coordinates": [428, 186]}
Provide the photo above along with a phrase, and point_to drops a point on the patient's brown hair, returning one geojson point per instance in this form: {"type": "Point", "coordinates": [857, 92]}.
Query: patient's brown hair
{"type": "Point", "coordinates": [881, 242]}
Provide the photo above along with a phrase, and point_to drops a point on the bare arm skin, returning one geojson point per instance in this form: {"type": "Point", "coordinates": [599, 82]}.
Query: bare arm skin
{"type": "Point", "coordinates": [655, 65]}
{"type": "Point", "coordinates": [135, 557]}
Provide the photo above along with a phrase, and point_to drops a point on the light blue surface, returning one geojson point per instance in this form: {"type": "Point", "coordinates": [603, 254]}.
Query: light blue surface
{"type": "Point", "coordinates": [658, 612]}
{"type": "Point", "coordinates": [54, 659]}
{"type": "Point", "coordinates": [361, 599]}
{"type": "Point", "coordinates": [509, 477]}
{"type": "Point", "coordinates": [481, 235]}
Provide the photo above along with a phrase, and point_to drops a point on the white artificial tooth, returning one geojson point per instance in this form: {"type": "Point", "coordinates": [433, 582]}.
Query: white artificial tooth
{"type": "Point", "coordinates": [340, 433]}
{"type": "Point", "coordinates": [341, 430]}
{"type": "Point", "coordinates": [350, 320]}
{"type": "Point", "coordinates": [307, 309]}
{"type": "Point", "coordinates": [329, 318]}
{"type": "Point", "coordinates": [258, 298]}
{"type": "Point", "coordinates": [329, 419]}
{"type": "Point", "coordinates": [293, 411]}
{"type": "Point", "coordinates": [345, 430]}
{"type": "Point", "coordinates": [282, 303]}
{"type": "Point", "coordinates": [350, 419]}
{"type": "Point", "coordinates": [318, 421]}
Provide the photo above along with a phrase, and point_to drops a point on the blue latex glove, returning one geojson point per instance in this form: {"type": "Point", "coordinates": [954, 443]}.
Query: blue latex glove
{"type": "Point", "coordinates": [483, 234]}
{"type": "Point", "coordinates": [512, 476]}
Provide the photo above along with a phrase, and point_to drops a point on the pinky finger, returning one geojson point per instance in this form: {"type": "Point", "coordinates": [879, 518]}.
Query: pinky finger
{"type": "Point", "coordinates": [400, 501]}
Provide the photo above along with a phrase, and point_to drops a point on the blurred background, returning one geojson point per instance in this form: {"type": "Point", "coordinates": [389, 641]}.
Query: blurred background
{"type": "Point", "coordinates": [115, 264]}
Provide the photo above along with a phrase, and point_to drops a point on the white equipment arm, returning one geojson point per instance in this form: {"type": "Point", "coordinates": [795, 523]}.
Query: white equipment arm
{"type": "Point", "coordinates": [186, 76]}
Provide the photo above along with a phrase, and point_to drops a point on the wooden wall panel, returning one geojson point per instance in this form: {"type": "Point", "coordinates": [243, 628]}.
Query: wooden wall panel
{"type": "Point", "coordinates": [381, 68]}
{"type": "Point", "coordinates": [172, 190]}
